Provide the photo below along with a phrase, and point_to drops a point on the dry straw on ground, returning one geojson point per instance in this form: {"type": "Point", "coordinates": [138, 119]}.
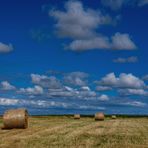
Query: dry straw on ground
{"type": "Point", "coordinates": [77, 116]}
{"type": "Point", "coordinates": [99, 116]}
{"type": "Point", "coordinates": [63, 132]}
{"type": "Point", "coordinates": [15, 118]}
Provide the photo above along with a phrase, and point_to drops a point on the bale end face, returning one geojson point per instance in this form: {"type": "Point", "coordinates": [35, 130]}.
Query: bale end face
{"type": "Point", "coordinates": [77, 116]}
{"type": "Point", "coordinates": [16, 118]}
{"type": "Point", "coordinates": [99, 116]}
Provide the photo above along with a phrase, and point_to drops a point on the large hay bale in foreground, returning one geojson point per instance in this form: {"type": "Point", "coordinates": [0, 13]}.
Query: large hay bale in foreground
{"type": "Point", "coordinates": [114, 117]}
{"type": "Point", "coordinates": [99, 116]}
{"type": "Point", "coordinates": [77, 116]}
{"type": "Point", "coordinates": [15, 118]}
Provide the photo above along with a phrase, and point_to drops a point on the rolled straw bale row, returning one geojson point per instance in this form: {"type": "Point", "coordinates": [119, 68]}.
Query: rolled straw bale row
{"type": "Point", "coordinates": [15, 118]}
{"type": "Point", "coordinates": [77, 116]}
{"type": "Point", "coordinates": [99, 116]}
{"type": "Point", "coordinates": [113, 117]}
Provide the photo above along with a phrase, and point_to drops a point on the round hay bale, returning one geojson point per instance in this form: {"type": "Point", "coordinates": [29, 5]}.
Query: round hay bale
{"type": "Point", "coordinates": [77, 116]}
{"type": "Point", "coordinates": [16, 118]}
{"type": "Point", "coordinates": [114, 117]}
{"type": "Point", "coordinates": [99, 116]}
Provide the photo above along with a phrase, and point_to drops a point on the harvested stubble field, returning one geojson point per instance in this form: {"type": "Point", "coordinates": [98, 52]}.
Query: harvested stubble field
{"type": "Point", "coordinates": [65, 132]}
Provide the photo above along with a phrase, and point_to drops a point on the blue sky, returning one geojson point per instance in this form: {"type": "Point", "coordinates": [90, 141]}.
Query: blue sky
{"type": "Point", "coordinates": [65, 57]}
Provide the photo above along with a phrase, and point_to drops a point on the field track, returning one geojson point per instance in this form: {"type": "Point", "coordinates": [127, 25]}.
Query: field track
{"type": "Point", "coordinates": [65, 132]}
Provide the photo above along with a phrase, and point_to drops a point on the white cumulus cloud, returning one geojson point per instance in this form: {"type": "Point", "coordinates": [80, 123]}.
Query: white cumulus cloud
{"type": "Point", "coordinates": [5, 85]}
{"type": "Point", "coordinates": [136, 104]}
{"type": "Point", "coordinates": [45, 81]}
{"type": "Point", "coordinates": [4, 48]}
{"type": "Point", "coordinates": [99, 42]}
{"type": "Point", "coordinates": [123, 81]}
{"type": "Point", "coordinates": [36, 90]}
{"type": "Point", "coordinates": [7, 101]}
{"type": "Point", "coordinates": [76, 78]}
{"type": "Point", "coordinates": [81, 25]}
{"type": "Point", "coordinates": [103, 97]}
{"type": "Point", "coordinates": [77, 22]}
{"type": "Point", "coordinates": [122, 41]}
{"type": "Point", "coordinates": [103, 88]}
{"type": "Point", "coordinates": [118, 41]}
{"type": "Point", "coordinates": [133, 92]}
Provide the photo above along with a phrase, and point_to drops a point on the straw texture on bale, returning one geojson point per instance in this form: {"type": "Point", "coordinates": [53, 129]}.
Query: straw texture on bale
{"type": "Point", "coordinates": [77, 116]}
{"type": "Point", "coordinates": [114, 117]}
{"type": "Point", "coordinates": [15, 118]}
{"type": "Point", "coordinates": [99, 116]}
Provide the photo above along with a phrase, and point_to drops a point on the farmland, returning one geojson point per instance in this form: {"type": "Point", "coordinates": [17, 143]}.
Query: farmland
{"type": "Point", "coordinates": [65, 132]}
